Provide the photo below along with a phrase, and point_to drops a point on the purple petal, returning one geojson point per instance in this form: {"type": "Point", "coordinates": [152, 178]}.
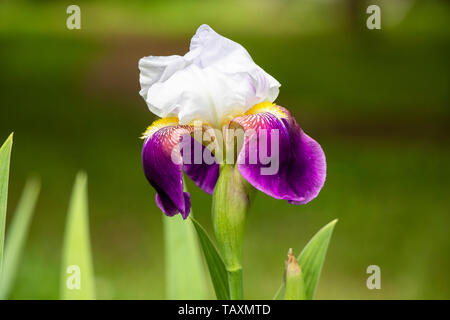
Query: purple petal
{"type": "Point", "coordinates": [301, 169]}
{"type": "Point", "coordinates": [203, 174]}
{"type": "Point", "coordinates": [163, 163]}
{"type": "Point", "coordinates": [169, 208]}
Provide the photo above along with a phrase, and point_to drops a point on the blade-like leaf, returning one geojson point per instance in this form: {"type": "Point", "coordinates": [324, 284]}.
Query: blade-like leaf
{"type": "Point", "coordinates": [77, 276]}
{"type": "Point", "coordinates": [311, 260]}
{"type": "Point", "coordinates": [17, 234]}
{"type": "Point", "coordinates": [215, 263]}
{"type": "Point", "coordinates": [185, 274]}
{"type": "Point", "coordinates": [5, 156]}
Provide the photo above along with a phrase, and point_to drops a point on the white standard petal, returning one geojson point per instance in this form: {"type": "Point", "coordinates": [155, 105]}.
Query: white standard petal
{"type": "Point", "coordinates": [215, 81]}
{"type": "Point", "coordinates": [157, 69]}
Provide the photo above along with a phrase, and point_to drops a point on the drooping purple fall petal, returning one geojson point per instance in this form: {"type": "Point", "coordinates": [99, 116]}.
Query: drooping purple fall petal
{"type": "Point", "coordinates": [204, 174]}
{"type": "Point", "coordinates": [163, 167]}
{"type": "Point", "coordinates": [301, 166]}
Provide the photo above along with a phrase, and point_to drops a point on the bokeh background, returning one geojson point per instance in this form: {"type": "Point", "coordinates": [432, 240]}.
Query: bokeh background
{"type": "Point", "coordinates": [377, 100]}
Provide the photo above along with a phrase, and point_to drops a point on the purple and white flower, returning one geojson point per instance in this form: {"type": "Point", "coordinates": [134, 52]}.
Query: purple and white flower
{"type": "Point", "coordinates": [218, 84]}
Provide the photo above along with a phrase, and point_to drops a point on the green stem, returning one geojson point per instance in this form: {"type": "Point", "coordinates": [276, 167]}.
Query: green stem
{"type": "Point", "coordinates": [235, 283]}
{"type": "Point", "coordinates": [230, 205]}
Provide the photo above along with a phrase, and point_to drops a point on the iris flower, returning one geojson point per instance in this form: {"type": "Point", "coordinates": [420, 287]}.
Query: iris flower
{"type": "Point", "coordinates": [218, 84]}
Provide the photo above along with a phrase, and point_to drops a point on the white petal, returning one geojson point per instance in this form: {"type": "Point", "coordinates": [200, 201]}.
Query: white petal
{"type": "Point", "coordinates": [157, 69]}
{"type": "Point", "coordinates": [216, 80]}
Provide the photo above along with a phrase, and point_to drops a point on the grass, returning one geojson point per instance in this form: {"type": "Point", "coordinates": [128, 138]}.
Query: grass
{"type": "Point", "coordinates": [186, 276]}
{"type": "Point", "coordinates": [17, 236]}
{"type": "Point", "coordinates": [5, 158]}
{"type": "Point", "coordinates": [77, 280]}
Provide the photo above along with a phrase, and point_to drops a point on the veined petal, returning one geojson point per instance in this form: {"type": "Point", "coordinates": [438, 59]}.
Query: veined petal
{"type": "Point", "coordinates": [163, 163]}
{"type": "Point", "coordinates": [215, 81]}
{"type": "Point", "coordinates": [204, 174]}
{"type": "Point", "coordinates": [297, 169]}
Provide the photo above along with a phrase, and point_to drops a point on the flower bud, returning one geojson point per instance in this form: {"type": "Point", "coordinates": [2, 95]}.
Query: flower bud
{"type": "Point", "coordinates": [295, 289]}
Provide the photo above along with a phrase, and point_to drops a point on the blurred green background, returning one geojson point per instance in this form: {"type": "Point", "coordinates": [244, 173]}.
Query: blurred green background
{"type": "Point", "coordinates": [377, 101]}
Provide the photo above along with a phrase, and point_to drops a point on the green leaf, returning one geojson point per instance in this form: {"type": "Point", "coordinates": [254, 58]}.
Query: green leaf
{"type": "Point", "coordinates": [17, 234]}
{"type": "Point", "coordinates": [311, 260]}
{"type": "Point", "coordinates": [77, 276]}
{"type": "Point", "coordinates": [185, 273]}
{"type": "Point", "coordinates": [5, 157]}
{"type": "Point", "coordinates": [215, 263]}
